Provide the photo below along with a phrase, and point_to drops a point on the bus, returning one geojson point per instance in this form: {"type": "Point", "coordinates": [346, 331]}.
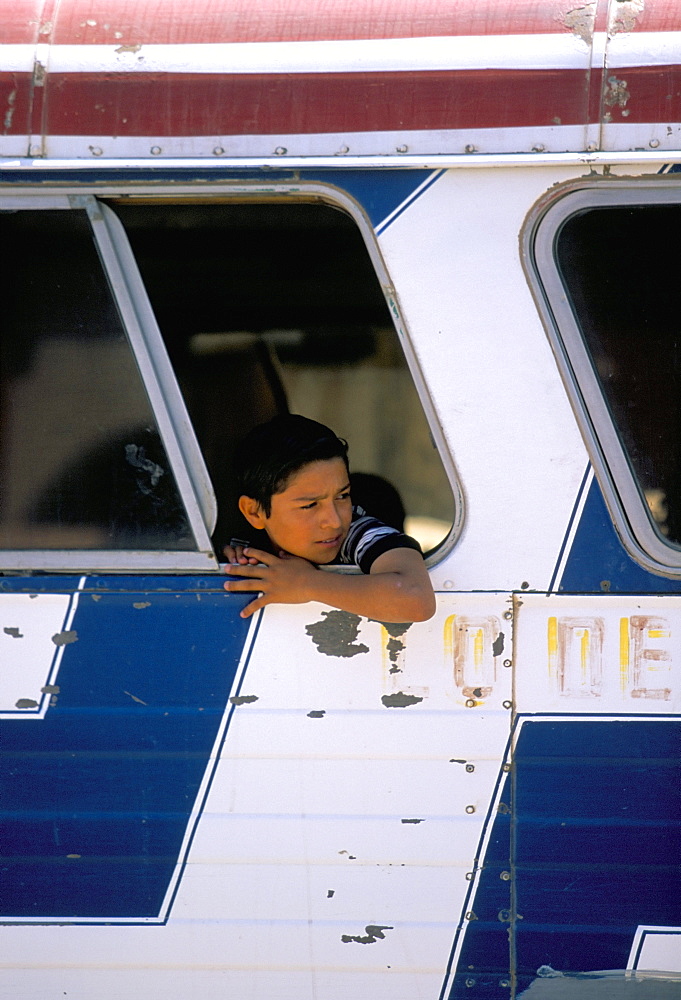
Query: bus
{"type": "Point", "coordinates": [447, 230]}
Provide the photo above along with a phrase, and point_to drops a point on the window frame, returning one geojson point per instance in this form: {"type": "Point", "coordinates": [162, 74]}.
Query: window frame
{"type": "Point", "coordinates": [165, 399]}
{"type": "Point", "coordinates": [175, 428]}
{"type": "Point", "coordinates": [621, 490]}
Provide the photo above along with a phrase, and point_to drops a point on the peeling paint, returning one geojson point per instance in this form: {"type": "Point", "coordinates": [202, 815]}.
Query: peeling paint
{"type": "Point", "coordinates": [244, 699]}
{"type": "Point", "coordinates": [129, 48]}
{"type": "Point", "coordinates": [400, 700]}
{"type": "Point", "coordinates": [135, 698]}
{"type": "Point", "coordinates": [64, 638]}
{"type": "Point", "coordinates": [96, 597]}
{"type": "Point", "coordinates": [411, 821]}
{"type": "Point", "coordinates": [623, 15]}
{"type": "Point", "coordinates": [14, 632]}
{"type": "Point", "coordinates": [374, 932]}
{"type": "Point", "coordinates": [9, 113]}
{"type": "Point", "coordinates": [39, 74]}
{"type": "Point", "coordinates": [336, 636]}
{"type": "Point", "coordinates": [580, 21]}
{"type": "Point", "coordinates": [616, 94]}
{"type": "Point", "coordinates": [142, 604]}
{"type": "Point", "coordinates": [26, 703]}
{"type": "Point", "coordinates": [316, 715]}
{"type": "Point", "coordinates": [330, 893]}
{"type": "Point", "coordinates": [50, 689]}
{"type": "Point", "coordinates": [498, 645]}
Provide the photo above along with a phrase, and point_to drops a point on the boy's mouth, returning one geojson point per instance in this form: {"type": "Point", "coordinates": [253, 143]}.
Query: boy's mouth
{"type": "Point", "coordinates": [329, 542]}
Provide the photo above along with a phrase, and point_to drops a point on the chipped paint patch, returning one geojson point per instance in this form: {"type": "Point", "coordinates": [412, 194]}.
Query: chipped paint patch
{"type": "Point", "coordinates": [415, 821]}
{"type": "Point", "coordinates": [580, 21]}
{"type": "Point", "coordinates": [135, 698]}
{"type": "Point", "coordinates": [400, 700]}
{"type": "Point", "coordinates": [64, 638]}
{"type": "Point", "coordinates": [14, 632]}
{"type": "Point", "coordinates": [316, 715]}
{"type": "Point", "coordinates": [142, 604]}
{"type": "Point", "coordinates": [336, 636]}
{"type": "Point", "coordinates": [244, 699]}
{"type": "Point", "coordinates": [616, 94]}
{"type": "Point", "coordinates": [374, 932]}
{"type": "Point", "coordinates": [26, 703]}
{"type": "Point", "coordinates": [9, 113]}
{"type": "Point", "coordinates": [623, 15]}
{"type": "Point", "coordinates": [50, 689]}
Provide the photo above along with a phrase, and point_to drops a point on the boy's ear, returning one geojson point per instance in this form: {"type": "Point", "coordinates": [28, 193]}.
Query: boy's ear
{"type": "Point", "coordinates": [252, 511]}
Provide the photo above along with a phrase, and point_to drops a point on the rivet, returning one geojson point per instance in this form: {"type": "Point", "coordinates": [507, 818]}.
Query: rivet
{"type": "Point", "coordinates": [218, 151]}
{"type": "Point", "coordinates": [592, 147]}
{"type": "Point", "coordinates": [470, 876]}
{"type": "Point", "coordinates": [654, 143]}
{"type": "Point", "coordinates": [505, 876]}
{"type": "Point", "coordinates": [470, 768]}
{"type": "Point", "coordinates": [470, 982]}
{"type": "Point", "coordinates": [470, 703]}
{"type": "Point", "coordinates": [156, 150]}
{"type": "Point", "coordinates": [281, 151]}
{"type": "Point", "coordinates": [402, 149]}
{"type": "Point", "coordinates": [504, 982]}
{"type": "Point", "coordinates": [504, 916]}
{"type": "Point", "coordinates": [506, 768]}
{"type": "Point", "coordinates": [539, 148]}
{"type": "Point", "coordinates": [470, 809]}
{"type": "Point", "coordinates": [471, 916]}
{"type": "Point", "coordinates": [95, 150]}
{"type": "Point", "coordinates": [508, 615]}
{"type": "Point", "coordinates": [508, 663]}
{"type": "Point", "coordinates": [507, 704]}
{"type": "Point", "coordinates": [344, 149]}
{"type": "Point", "coordinates": [448, 584]}
{"type": "Point", "coordinates": [471, 149]}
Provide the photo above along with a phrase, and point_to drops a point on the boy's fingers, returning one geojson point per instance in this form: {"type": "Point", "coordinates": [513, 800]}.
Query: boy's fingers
{"type": "Point", "coordinates": [254, 606]}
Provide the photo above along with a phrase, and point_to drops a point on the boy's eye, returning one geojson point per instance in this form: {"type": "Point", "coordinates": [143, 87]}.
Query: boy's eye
{"type": "Point", "coordinates": [308, 506]}
{"type": "Point", "coordinates": [344, 496]}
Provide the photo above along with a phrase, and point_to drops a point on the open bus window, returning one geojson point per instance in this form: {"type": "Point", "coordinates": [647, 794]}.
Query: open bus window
{"type": "Point", "coordinates": [272, 307]}
{"type": "Point", "coordinates": [82, 463]}
{"type": "Point", "coordinates": [622, 283]}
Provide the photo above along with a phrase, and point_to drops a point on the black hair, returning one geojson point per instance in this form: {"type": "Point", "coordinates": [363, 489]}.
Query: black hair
{"type": "Point", "coordinates": [272, 452]}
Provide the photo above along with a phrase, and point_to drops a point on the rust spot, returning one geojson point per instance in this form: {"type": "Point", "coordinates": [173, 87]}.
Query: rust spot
{"type": "Point", "coordinates": [336, 636]}
{"type": "Point", "coordinates": [400, 700]}
{"type": "Point", "coordinates": [374, 932]}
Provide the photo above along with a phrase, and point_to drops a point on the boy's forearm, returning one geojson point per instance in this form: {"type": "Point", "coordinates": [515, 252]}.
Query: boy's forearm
{"type": "Point", "coordinates": [386, 596]}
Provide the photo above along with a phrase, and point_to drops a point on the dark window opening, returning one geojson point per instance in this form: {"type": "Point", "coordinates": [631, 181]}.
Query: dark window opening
{"type": "Point", "coordinates": [270, 307]}
{"type": "Point", "coordinates": [622, 279]}
{"type": "Point", "coordinates": [82, 465]}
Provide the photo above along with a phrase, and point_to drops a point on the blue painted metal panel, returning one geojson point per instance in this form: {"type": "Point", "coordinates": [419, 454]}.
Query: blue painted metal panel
{"type": "Point", "coordinates": [596, 847]}
{"type": "Point", "coordinates": [597, 555]}
{"type": "Point", "coordinates": [97, 797]}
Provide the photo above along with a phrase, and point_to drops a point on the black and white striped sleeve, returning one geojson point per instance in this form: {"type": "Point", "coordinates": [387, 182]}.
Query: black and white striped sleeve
{"type": "Point", "coordinates": [368, 538]}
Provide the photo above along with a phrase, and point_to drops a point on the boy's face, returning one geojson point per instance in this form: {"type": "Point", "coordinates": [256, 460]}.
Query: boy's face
{"type": "Point", "coordinates": [311, 517]}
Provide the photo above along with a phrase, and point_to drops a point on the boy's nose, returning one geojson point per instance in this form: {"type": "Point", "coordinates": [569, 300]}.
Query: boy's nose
{"type": "Point", "coordinates": [330, 516]}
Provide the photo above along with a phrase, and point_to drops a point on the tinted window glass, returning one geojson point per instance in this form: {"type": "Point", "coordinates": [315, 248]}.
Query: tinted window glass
{"type": "Point", "coordinates": [81, 460]}
{"type": "Point", "coordinates": [622, 280]}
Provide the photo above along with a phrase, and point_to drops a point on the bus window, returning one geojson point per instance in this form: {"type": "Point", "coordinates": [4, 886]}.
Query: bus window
{"type": "Point", "coordinates": [82, 462]}
{"type": "Point", "coordinates": [622, 283]}
{"type": "Point", "coordinates": [272, 307]}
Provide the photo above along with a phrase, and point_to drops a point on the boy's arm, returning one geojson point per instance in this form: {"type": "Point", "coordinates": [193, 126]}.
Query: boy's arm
{"type": "Point", "coordinates": [397, 589]}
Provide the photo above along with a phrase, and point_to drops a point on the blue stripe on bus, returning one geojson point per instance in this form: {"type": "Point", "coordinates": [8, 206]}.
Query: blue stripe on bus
{"type": "Point", "coordinates": [97, 797]}
{"type": "Point", "coordinates": [598, 561]}
{"type": "Point", "coordinates": [595, 840]}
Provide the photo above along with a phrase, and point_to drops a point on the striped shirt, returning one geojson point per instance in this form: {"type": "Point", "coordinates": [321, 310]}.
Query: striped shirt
{"type": "Point", "coordinates": [368, 538]}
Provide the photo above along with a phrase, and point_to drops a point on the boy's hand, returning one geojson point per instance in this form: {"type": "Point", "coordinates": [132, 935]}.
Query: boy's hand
{"type": "Point", "coordinates": [282, 579]}
{"type": "Point", "coordinates": [234, 554]}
